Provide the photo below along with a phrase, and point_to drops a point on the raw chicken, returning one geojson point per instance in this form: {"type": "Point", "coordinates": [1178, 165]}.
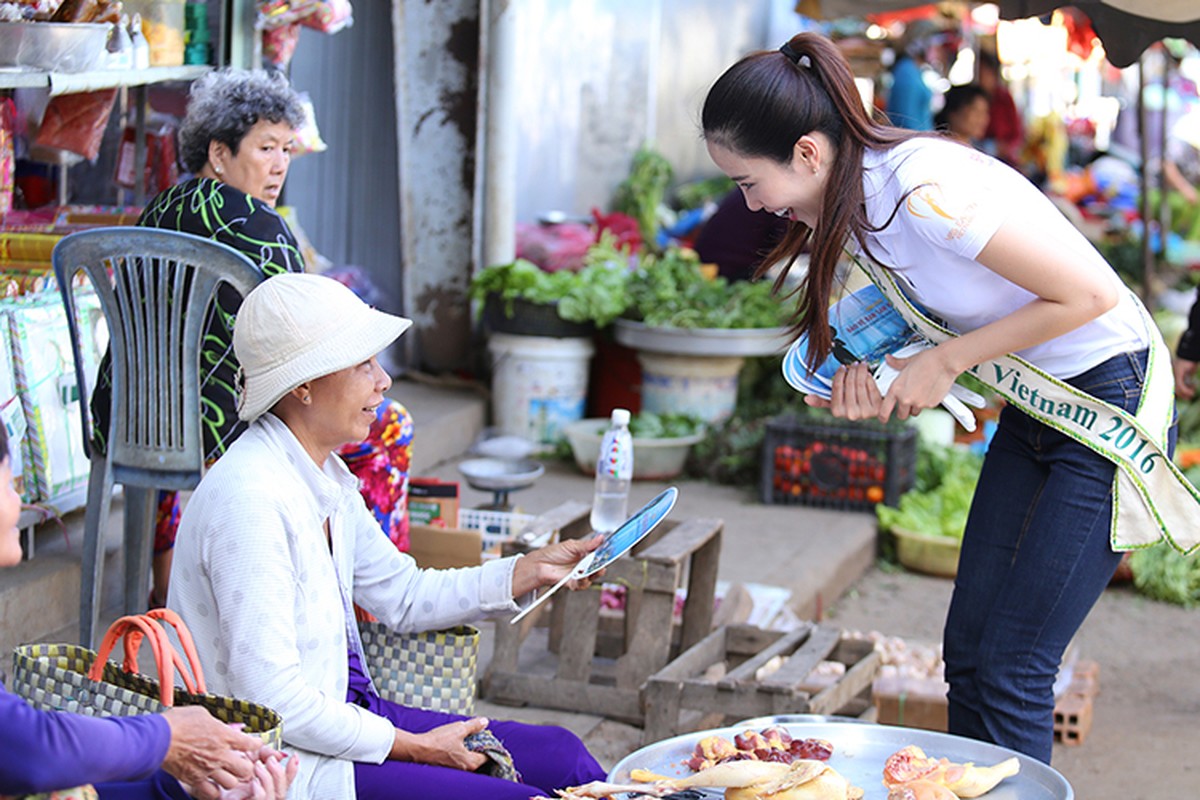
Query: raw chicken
{"type": "Point", "coordinates": [910, 765]}
{"type": "Point", "coordinates": [803, 779]}
{"type": "Point", "coordinates": [920, 789]}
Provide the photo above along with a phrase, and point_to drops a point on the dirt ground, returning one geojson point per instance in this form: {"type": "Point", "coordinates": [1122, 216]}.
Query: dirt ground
{"type": "Point", "coordinates": [1149, 700]}
{"type": "Point", "coordinates": [1144, 737]}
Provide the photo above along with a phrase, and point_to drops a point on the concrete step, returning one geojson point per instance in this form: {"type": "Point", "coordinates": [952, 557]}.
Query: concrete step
{"type": "Point", "coordinates": [448, 417]}
{"type": "Point", "coordinates": [39, 598]}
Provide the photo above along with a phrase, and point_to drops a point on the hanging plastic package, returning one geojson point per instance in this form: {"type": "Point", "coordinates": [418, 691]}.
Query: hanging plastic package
{"type": "Point", "coordinates": [161, 168]}
{"type": "Point", "coordinates": [308, 136]}
{"type": "Point", "coordinates": [76, 122]}
{"type": "Point", "coordinates": [7, 154]}
{"type": "Point", "coordinates": [44, 371]}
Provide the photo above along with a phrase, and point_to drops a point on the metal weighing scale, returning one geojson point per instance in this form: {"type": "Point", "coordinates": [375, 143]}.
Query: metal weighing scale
{"type": "Point", "coordinates": [500, 476]}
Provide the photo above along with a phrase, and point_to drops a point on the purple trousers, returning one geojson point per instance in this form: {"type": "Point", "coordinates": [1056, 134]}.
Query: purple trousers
{"type": "Point", "coordinates": [159, 787]}
{"type": "Point", "coordinates": [547, 756]}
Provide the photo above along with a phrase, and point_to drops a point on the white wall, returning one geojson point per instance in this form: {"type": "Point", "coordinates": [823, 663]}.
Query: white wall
{"type": "Point", "coordinates": [600, 77]}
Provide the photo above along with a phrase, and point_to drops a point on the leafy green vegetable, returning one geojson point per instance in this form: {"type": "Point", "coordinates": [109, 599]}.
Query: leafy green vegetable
{"type": "Point", "coordinates": [1163, 574]}
{"type": "Point", "coordinates": [1189, 424]}
{"type": "Point", "coordinates": [667, 425]}
{"type": "Point", "coordinates": [596, 293]}
{"type": "Point", "coordinates": [697, 193]}
{"type": "Point", "coordinates": [941, 496]}
{"type": "Point", "coordinates": [641, 194]}
{"type": "Point", "coordinates": [671, 291]}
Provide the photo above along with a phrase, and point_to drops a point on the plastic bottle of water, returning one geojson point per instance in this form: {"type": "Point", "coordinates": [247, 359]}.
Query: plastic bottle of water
{"type": "Point", "coordinates": [614, 470]}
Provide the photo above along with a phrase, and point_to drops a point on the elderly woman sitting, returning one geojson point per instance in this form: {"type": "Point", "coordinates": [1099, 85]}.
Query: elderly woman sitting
{"type": "Point", "coordinates": [237, 140]}
{"type": "Point", "coordinates": [276, 546]}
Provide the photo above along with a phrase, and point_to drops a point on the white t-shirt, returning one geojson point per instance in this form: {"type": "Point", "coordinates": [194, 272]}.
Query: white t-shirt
{"type": "Point", "coordinates": [959, 198]}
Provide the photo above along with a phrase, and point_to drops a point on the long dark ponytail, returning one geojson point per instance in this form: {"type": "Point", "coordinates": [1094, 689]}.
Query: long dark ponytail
{"type": "Point", "coordinates": [758, 108]}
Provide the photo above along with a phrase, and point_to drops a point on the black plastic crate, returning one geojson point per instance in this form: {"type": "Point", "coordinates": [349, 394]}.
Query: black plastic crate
{"type": "Point", "coordinates": [851, 466]}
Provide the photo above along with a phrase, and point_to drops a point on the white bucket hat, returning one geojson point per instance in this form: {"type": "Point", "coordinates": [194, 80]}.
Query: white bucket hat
{"type": "Point", "coordinates": [297, 327]}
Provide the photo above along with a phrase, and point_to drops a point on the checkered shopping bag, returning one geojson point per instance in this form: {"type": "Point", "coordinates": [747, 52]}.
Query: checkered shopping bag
{"type": "Point", "coordinates": [433, 670]}
{"type": "Point", "coordinates": [67, 677]}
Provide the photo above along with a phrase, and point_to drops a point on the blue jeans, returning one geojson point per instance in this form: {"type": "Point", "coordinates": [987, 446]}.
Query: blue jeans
{"type": "Point", "coordinates": [1035, 559]}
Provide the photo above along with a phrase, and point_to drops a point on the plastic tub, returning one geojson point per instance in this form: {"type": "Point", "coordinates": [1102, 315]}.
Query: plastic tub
{"type": "Point", "coordinates": [53, 46]}
{"type": "Point", "coordinates": [539, 384]}
{"type": "Point", "coordinates": [653, 459]}
{"type": "Point", "coordinates": [704, 386]}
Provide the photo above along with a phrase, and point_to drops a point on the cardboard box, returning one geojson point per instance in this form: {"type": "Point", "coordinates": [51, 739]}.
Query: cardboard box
{"type": "Point", "coordinates": [444, 548]}
{"type": "Point", "coordinates": [433, 502]}
{"type": "Point", "coordinates": [911, 702]}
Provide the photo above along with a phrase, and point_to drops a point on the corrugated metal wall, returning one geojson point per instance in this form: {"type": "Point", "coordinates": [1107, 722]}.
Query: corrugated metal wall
{"type": "Point", "coordinates": [347, 198]}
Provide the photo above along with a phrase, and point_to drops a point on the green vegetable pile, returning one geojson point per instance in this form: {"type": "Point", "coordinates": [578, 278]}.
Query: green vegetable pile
{"type": "Point", "coordinates": [1163, 574]}
{"type": "Point", "coordinates": [596, 293]}
{"type": "Point", "coordinates": [667, 425]}
{"type": "Point", "coordinates": [941, 495]}
{"type": "Point", "coordinates": [670, 291]}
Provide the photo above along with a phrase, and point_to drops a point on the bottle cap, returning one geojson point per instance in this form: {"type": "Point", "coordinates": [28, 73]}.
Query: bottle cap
{"type": "Point", "coordinates": [620, 416]}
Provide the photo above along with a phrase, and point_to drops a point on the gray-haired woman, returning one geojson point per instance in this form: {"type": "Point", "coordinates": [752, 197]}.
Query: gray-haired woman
{"type": "Point", "coordinates": [236, 139]}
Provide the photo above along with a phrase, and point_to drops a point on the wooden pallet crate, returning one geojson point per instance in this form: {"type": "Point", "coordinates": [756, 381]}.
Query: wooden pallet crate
{"type": "Point", "coordinates": [718, 677]}
{"type": "Point", "coordinates": [601, 669]}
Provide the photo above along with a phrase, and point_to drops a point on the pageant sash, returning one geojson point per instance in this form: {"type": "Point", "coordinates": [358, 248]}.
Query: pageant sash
{"type": "Point", "coordinates": [1151, 497]}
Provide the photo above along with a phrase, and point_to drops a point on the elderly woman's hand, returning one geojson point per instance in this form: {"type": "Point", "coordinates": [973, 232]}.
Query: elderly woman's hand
{"type": "Point", "coordinates": [549, 565]}
{"type": "Point", "coordinates": [442, 746]}
{"type": "Point", "coordinates": [206, 753]}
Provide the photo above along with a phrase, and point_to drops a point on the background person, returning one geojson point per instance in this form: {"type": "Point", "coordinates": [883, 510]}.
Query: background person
{"type": "Point", "coordinates": [276, 547]}
{"type": "Point", "coordinates": [128, 758]}
{"type": "Point", "coordinates": [237, 139]}
{"type": "Point", "coordinates": [737, 239]}
{"type": "Point", "coordinates": [910, 100]}
{"type": "Point", "coordinates": [1005, 134]}
{"type": "Point", "coordinates": [964, 114]}
{"type": "Point", "coordinates": [979, 246]}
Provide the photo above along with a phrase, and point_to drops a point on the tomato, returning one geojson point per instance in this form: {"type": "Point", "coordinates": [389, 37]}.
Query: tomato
{"type": "Point", "coordinates": [875, 494]}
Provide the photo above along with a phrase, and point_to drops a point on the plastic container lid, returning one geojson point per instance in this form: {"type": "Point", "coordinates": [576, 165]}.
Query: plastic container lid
{"type": "Point", "coordinates": [620, 416]}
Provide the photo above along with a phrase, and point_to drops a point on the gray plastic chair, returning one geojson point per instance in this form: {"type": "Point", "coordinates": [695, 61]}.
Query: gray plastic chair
{"type": "Point", "coordinates": [156, 305]}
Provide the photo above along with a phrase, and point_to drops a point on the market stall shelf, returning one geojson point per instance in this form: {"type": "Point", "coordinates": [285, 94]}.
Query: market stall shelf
{"type": "Point", "coordinates": [586, 679]}
{"type": "Point", "coordinates": [746, 671]}
{"type": "Point", "coordinates": [71, 82]}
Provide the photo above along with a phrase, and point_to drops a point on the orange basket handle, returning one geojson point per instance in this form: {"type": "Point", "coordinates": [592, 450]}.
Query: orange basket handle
{"type": "Point", "coordinates": [133, 629]}
{"type": "Point", "coordinates": [133, 642]}
{"type": "Point", "coordinates": [189, 649]}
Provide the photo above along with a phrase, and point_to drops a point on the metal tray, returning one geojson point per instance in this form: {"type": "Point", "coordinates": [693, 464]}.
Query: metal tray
{"type": "Point", "coordinates": [710, 342]}
{"type": "Point", "coordinates": [859, 752]}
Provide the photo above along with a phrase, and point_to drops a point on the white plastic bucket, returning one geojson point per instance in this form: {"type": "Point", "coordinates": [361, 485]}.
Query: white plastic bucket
{"type": "Point", "coordinates": [704, 386]}
{"type": "Point", "coordinates": [539, 384]}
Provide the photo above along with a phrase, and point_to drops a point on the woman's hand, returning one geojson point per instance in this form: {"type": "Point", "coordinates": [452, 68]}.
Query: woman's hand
{"type": "Point", "coordinates": [854, 395]}
{"type": "Point", "coordinates": [924, 381]}
{"type": "Point", "coordinates": [1185, 378]}
{"type": "Point", "coordinates": [548, 565]}
{"type": "Point", "coordinates": [443, 746]}
{"type": "Point", "coordinates": [206, 753]}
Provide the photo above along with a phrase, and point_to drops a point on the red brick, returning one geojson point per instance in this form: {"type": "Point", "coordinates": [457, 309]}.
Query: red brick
{"type": "Point", "coordinates": [1073, 718]}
